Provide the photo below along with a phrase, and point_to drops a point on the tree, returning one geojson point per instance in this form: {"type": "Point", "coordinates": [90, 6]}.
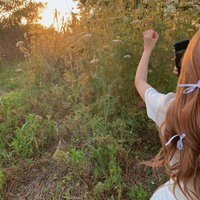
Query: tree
{"type": "Point", "coordinates": [15, 11]}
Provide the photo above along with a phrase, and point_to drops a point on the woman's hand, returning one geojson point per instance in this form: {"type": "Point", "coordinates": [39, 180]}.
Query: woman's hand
{"type": "Point", "coordinates": [150, 39]}
{"type": "Point", "coordinates": [175, 70]}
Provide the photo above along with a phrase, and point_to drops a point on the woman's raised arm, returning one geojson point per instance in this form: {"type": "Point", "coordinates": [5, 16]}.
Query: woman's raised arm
{"type": "Point", "coordinates": [150, 39]}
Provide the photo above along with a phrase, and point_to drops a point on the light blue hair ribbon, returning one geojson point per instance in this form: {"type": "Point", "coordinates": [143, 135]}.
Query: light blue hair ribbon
{"type": "Point", "coordinates": [190, 87]}
{"type": "Point", "coordinates": [179, 142]}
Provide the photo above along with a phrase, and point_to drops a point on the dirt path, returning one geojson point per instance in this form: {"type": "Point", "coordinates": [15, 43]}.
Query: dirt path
{"type": "Point", "coordinates": [40, 181]}
{"type": "Point", "coordinates": [41, 185]}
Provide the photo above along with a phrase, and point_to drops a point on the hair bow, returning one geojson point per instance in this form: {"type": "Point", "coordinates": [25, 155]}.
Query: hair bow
{"type": "Point", "coordinates": [179, 142]}
{"type": "Point", "coordinates": [190, 87]}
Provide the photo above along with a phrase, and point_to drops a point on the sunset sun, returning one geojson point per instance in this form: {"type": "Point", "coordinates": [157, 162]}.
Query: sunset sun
{"type": "Point", "coordinates": [63, 7]}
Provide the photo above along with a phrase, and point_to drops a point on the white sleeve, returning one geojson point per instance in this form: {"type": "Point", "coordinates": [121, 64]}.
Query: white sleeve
{"type": "Point", "coordinates": [157, 104]}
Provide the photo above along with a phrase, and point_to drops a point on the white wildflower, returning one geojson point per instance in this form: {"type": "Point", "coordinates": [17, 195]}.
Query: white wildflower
{"type": "Point", "coordinates": [135, 21]}
{"type": "Point", "coordinates": [88, 35]}
{"type": "Point", "coordinates": [25, 35]}
{"type": "Point", "coordinates": [197, 26]}
{"type": "Point", "coordinates": [19, 70]}
{"type": "Point", "coordinates": [190, 30]}
{"type": "Point", "coordinates": [94, 61]}
{"type": "Point", "coordinates": [196, 6]}
{"type": "Point", "coordinates": [19, 44]}
{"type": "Point", "coordinates": [127, 56]}
{"type": "Point", "coordinates": [170, 9]}
{"type": "Point", "coordinates": [116, 40]}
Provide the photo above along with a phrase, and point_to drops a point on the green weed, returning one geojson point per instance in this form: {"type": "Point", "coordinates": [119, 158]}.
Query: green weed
{"type": "Point", "coordinates": [1, 179]}
{"type": "Point", "coordinates": [31, 138]}
{"type": "Point", "coordinates": [138, 193]}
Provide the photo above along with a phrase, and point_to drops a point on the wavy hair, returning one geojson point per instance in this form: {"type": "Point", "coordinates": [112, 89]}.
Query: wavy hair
{"type": "Point", "coordinates": [183, 116]}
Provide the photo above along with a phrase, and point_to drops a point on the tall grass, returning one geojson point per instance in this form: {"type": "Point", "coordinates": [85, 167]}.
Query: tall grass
{"type": "Point", "coordinates": [76, 100]}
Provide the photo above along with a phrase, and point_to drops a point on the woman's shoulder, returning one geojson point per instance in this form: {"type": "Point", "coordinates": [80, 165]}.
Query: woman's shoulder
{"type": "Point", "coordinates": [157, 104]}
{"type": "Point", "coordinates": [162, 97]}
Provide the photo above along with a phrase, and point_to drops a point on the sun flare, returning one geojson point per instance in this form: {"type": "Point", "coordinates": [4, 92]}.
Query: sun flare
{"type": "Point", "coordinates": [63, 7]}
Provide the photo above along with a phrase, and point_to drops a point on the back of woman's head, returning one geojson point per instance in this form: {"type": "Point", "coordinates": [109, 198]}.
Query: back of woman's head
{"type": "Point", "coordinates": [183, 116]}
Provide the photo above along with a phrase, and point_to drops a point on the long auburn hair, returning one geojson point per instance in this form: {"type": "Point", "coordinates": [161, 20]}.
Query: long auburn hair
{"type": "Point", "coordinates": [183, 116]}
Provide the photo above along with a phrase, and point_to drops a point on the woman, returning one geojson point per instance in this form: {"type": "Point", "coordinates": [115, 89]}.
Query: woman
{"type": "Point", "coordinates": [178, 118]}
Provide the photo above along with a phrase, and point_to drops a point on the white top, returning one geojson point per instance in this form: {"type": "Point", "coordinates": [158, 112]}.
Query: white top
{"type": "Point", "coordinates": [165, 192]}
{"type": "Point", "coordinates": [157, 105]}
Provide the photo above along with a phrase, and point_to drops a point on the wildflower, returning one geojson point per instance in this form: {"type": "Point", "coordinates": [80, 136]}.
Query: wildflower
{"type": "Point", "coordinates": [135, 21]}
{"type": "Point", "coordinates": [19, 44]}
{"type": "Point", "coordinates": [94, 61]}
{"type": "Point", "coordinates": [196, 6]}
{"type": "Point", "coordinates": [25, 35]}
{"type": "Point", "coordinates": [88, 35]}
{"type": "Point", "coordinates": [197, 25]}
{"type": "Point", "coordinates": [116, 40]}
{"type": "Point", "coordinates": [19, 70]}
{"type": "Point", "coordinates": [190, 30]}
{"type": "Point", "coordinates": [170, 9]}
{"type": "Point", "coordinates": [127, 56]}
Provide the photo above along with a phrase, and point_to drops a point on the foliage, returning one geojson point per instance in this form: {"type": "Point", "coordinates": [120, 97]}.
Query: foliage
{"type": "Point", "coordinates": [14, 12]}
{"type": "Point", "coordinates": [31, 138]}
{"type": "Point", "coordinates": [76, 102]}
{"type": "Point", "coordinates": [138, 193]}
{"type": "Point", "coordinates": [15, 18]}
{"type": "Point", "coordinates": [1, 178]}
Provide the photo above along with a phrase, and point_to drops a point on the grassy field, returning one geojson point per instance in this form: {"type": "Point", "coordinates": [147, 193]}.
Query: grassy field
{"type": "Point", "coordinates": [53, 146]}
{"type": "Point", "coordinates": [72, 125]}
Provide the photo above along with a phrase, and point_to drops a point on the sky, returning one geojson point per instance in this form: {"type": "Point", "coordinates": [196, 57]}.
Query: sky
{"type": "Point", "coordinates": [64, 7]}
